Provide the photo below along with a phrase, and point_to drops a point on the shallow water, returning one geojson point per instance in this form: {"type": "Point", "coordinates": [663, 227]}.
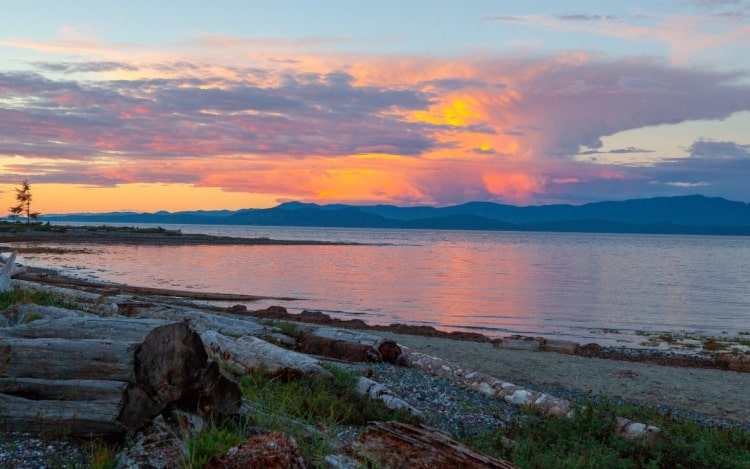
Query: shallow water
{"type": "Point", "coordinates": [607, 288]}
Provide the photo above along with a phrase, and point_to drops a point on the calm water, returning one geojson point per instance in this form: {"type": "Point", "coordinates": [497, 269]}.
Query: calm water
{"type": "Point", "coordinates": [600, 287]}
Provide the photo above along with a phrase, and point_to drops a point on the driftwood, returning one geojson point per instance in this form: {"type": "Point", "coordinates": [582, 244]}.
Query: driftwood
{"type": "Point", "coordinates": [235, 342]}
{"type": "Point", "coordinates": [85, 301]}
{"type": "Point", "coordinates": [201, 321]}
{"type": "Point", "coordinates": [375, 390]}
{"type": "Point", "coordinates": [7, 272]}
{"type": "Point", "coordinates": [22, 313]}
{"type": "Point", "coordinates": [98, 376]}
{"type": "Point", "coordinates": [249, 354]}
{"type": "Point", "coordinates": [544, 404]}
{"type": "Point", "coordinates": [399, 445]}
{"type": "Point", "coordinates": [347, 344]}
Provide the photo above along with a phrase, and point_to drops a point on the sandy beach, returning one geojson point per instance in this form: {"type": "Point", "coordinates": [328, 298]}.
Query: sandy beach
{"type": "Point", "coordinates": [717, 393]}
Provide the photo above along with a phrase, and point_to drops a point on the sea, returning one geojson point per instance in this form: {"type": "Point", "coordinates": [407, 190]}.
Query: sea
{"type": "Point", "coordinates": [613, 289]}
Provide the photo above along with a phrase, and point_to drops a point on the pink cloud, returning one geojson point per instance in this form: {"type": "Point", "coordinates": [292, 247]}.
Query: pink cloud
{"type": "Point", "coordinates": [385, 129]}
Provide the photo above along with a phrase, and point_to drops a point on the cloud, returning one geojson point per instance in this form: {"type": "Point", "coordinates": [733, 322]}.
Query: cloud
{"type": "Point", "coordinates": [586, 17]}
{"type": "Point", "coordinates": [712, 150]}
{"type": "Point", "coordinates": [84, 67]}
{"type": "Point", "coordinates": [365, 128]}
{"type": "Point", "coordinates": [616, 151]}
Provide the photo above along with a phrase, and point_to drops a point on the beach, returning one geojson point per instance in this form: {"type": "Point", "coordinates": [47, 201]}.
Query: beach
{"type": "Point", "coordinates": [720, 394]}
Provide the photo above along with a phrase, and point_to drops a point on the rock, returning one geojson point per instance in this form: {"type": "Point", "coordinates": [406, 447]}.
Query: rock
{"type": "Point", "coordinates": [558, 346]}
{"type": "Point", "coordinates": [734, 362]}
{"type": "Point", "coordinates": [590, 350]}
{"type": "Point", "coordinates": [637, 431]}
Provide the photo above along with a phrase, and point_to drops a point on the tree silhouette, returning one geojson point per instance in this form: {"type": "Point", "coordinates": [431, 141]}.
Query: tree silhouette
{"type": "Point", "coordinates": [23, 196]}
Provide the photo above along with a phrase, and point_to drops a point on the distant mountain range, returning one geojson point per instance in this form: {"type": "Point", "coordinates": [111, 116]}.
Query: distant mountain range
{"type": "Point", "coordinates": [695, 214]}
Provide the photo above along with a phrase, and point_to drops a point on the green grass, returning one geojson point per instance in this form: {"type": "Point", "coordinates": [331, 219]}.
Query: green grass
{"type": "Point", "coordinates": [214, 440]}
{"type": "Point", "coordinates": [589, 441]}
{"type": "Point", "coordinates": [102, 454]}
{"type": "Point", "coordinates": [322, 402]}
{"type": "Point", "coordinates": [287, 327]}
{"type": "Point", "coordinates": [41, 298]}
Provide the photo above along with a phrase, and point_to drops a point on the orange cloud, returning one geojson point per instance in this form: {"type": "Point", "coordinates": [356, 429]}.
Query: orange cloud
{"type": "Point", "coordinates": [514, 186]}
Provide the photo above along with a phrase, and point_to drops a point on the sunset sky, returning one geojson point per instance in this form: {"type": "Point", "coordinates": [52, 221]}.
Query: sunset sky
{"type": "Point", "coordinates": [186, 105]}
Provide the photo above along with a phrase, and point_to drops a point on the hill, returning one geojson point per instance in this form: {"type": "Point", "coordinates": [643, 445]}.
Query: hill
{"type": "Point", "coordinates": [695, 214]}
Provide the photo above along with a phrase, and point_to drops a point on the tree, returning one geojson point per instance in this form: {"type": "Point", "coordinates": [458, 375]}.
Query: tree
{"type": "Point", "coordinates": [23, 196]}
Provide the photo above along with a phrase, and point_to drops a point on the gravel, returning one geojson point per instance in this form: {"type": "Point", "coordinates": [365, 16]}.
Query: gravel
{"type": "Point", "coordinates": [450, 408]}
{"type": "Point", "coordinates": [22, 451]}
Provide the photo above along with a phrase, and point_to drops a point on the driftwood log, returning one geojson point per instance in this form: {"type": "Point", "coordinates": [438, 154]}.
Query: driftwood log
{"type": "Point", "coordinates": [400, 445]}
{"type": "Point", "coordinates": [346, 344]}
{"type": "Point", "coordinates": [7, 271]}
{"type": "Point", "coordinates": [105, 376]}
{"type": "Point", "coordinates": [544, 404]}
{"type": "Point", "coordinates": [235, 342]}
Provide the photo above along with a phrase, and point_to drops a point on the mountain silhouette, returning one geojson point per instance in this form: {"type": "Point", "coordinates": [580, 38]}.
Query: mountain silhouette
{"type": "Point", "coordinates": [694, 214]}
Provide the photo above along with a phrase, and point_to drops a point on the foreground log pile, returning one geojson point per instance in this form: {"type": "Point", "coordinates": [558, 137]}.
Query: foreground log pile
{"type": "Point", "coordinates": [102, 373]}
{"type": "Point", "coordinates": [104, 376]}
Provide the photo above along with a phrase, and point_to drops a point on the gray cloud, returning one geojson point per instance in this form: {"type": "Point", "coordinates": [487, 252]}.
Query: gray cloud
{"type": "Point", "coordinates": [84, 67]}
{"type": "Point", "coordinates": [616, 151]}
{"type": "Point", "coordinates": [308, 114]}
{"type": "Point", "coordinates": [585, 17]}
{"type": "Point", "coordinates": [712, 150]}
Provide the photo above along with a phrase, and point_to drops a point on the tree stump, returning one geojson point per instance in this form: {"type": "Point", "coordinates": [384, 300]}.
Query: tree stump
{"type": "Point", "coordinates": [101, 376]}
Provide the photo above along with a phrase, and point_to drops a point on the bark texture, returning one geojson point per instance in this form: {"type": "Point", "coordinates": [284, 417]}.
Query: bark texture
{"type": "Point", "coordinates": [98, 376]}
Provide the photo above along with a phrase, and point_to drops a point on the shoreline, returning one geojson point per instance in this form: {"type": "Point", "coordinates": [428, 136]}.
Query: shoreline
{"type": "Point", "coordinates": [153, 237]}
{"type": "Point", "coordinates": [658, 356]}
{"type": "Point", "coordinates": [700, 390]}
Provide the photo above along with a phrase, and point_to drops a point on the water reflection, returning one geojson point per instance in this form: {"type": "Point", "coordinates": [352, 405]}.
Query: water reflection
{"type": "Point", "coordinates": [565, 284]}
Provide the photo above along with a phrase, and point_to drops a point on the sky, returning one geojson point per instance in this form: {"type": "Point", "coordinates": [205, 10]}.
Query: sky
{"type": "Point", "coordinates": [195, 105]}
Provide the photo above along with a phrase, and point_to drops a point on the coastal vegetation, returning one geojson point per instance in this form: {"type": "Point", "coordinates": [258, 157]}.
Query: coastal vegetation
{"type": "Point", "coordinates": [313, 411]}
{"type": "Point", "coordinates": [589, 441]}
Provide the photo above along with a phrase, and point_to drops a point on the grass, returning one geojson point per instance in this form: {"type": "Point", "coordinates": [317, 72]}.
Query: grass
{"type": "Point", "coordinates": [588, 440]}
{"type": "Point", "coordinates": [214, 440]}
{"type": "Point", "coordinates": [41, 298]}
{"type": "Point", "coordinates": [323, 402]}
{"type": "Point", "coordinates": [287, 327]}
{"type": "Point", "coordinates": [102, 454]}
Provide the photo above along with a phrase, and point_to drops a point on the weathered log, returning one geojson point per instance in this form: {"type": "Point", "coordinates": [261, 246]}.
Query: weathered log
{"type": "Point", "coordinates": [93, 376]}
{"type": "Point", "coordinates": [249, 354]}
{"type": "Point", "coordinates": [90, 302]}
{"type": "Point", "coordinates": [201, 321]}
{"type": "Point", "coordinates": [6, 272]}
{"type": "Point", "coordinates": [347, 344]}
{"type": "Point", "coordinates": [21, 313]}
{"type": "Point", "coordinates": [375, 390]}
{"type": "Point", "coordinates": [399, 445]}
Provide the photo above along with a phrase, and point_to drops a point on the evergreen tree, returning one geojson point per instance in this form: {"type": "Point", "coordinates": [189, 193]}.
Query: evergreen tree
{"type": "Point", "coordinates": [23, 196]}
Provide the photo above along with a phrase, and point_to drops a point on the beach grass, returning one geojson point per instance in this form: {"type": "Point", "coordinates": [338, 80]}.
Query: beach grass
{"type": "Point", "coordinates": [41, 298]}
{"type": "Point", "coordinates": [589, 440]}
